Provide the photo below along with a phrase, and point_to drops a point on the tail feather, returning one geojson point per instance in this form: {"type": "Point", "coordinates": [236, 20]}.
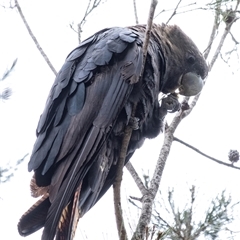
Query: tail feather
{"type": "Point", "coordinates": [75, 213]}
{"type": "Point", "coordinates": [69, 219]}
{"type": "Point", "coordinates": [35, 217]}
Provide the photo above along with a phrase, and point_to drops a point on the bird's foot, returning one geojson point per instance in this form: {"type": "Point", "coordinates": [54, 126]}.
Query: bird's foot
{"type": "Point", "coordinates": [171, 103]}
{"type": "Point", "coordinates": [134, 123]}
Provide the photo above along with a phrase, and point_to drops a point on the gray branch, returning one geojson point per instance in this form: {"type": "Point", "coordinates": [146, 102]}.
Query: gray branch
{"type": "Point", "coordinates": [205, 155]}
{"type": "Point", "coordinates": [34, 38]}
{"type": "Point", "coordinates": [135, 11]}
{"type": "Point", "coordinates": [147, 199]}
{"type": "Point", "coordinates": [136, 178]}
{"type": "Point", "coordinates": [89, 9]}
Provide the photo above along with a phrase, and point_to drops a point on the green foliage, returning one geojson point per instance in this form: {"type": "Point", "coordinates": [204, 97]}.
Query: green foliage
{"type": "Point", "coordinates": [182, 226]}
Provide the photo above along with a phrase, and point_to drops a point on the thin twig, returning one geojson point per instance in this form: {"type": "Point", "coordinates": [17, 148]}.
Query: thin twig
{"type": "Point", "coordinates": [174, 12]}
{"type": "Point", "coordinates": [203, 154]}
{"type": "Point", "coordinates": [213, 33]}
{"type": "Point", "coordinates": [83, 21]}
{"type": "Point", "coordinates": [226, 31]}
{"type": "Point", "coordinates": [234, 39]}
{"type": "Point", "coordinates": [34, 38]}
{"type": "Point", "coordinates": [135, 11]}
{"type": "Point", "coordinates": [167, 10]}
{"type": "Point", "coordinates": [136, 178]}
{"type": "Point", "coordinates": [216, 54]}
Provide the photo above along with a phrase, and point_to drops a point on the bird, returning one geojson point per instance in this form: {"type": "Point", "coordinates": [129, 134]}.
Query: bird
{"type": "Point", "coordinates": [100, 90]}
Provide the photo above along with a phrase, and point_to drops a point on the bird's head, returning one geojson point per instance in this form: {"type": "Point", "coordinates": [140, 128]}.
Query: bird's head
{"type": "Point", "coordinates": [185, 67]}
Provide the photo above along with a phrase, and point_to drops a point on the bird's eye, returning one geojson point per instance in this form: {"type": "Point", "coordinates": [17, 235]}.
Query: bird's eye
{"type": "Point", "coordinates": [191, 59]}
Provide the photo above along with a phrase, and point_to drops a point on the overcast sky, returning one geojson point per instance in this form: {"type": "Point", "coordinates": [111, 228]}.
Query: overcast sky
{"type": "Point", "coordinates": [212, 127]}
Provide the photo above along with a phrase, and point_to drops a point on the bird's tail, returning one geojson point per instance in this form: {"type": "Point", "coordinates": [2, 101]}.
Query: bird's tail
{"type": "Point", "coordinates": [35, 217]}
{"type": "Point", "coordinates": [69, 219]}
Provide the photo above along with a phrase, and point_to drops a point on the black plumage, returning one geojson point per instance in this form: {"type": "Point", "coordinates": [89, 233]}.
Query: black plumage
{"type": "Point", "coordinates": [80, 132]}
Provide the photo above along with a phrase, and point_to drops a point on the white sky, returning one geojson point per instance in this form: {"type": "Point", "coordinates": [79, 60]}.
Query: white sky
{"type": "Point", "coordinates": [212, 127]}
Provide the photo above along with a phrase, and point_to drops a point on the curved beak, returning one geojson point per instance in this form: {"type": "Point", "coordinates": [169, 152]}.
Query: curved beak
{"type": "Point", "coordinates": [191, 84]}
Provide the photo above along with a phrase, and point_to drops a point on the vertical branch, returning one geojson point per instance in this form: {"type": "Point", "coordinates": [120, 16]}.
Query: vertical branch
{"type": "Point", "coordinates": [147, 208]}
{"type": "Point", "coordinates": [218, 50]}
{"type": "Point", "coordinates": [214, 30]}
{"type": "Point", "coordinates": [127, 135]}
{"type": "Point", "coordinates": [135, 11]}
{"type": "Point", "coordinates": [117, 184]}
{"type": "Point", "coordinates": [87, 12]}
{"type": "Point", "coordinates": [34, 38]}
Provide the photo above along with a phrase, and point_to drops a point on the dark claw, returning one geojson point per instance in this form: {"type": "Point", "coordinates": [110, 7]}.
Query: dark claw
{"type": "Point", "coordinates": [134, 123]}
{"type": "Point", "coordinates": [170, 103]}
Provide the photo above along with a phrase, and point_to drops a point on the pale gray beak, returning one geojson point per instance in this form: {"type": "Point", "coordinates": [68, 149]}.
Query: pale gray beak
{"type": "Point", "coordinates": [191, 84]}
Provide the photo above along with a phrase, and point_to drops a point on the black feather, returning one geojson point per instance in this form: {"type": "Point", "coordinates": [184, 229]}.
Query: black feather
{"type": "Point", "coordinates": [80, 132]}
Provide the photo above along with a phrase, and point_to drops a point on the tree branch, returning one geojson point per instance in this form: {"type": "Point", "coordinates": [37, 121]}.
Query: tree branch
{"type": "Point", "coordinates": [203, 154]}
{"type": "Point", "coordinates": [34, 38]}
{"type": "Point", "coordinates": [174, 12]}
{"type": "Point", "coordinates": [87, 12]}
{"type": "Point", "coordinates": [145, 216]}
{"type": "Point", "coordinates": [214, 30]}
{"type": "Point", "coordinates": [135, 11]}
{"type": "Point", "coordinates": [126, 139]}
{"type": "Point", "coordinates": [136, 178]}
{"type": "Point", "coordinates": [167, 10]}
{"type": "Point", "coordinates": [117, 184]}
{"type": "Point", "coordinates": [225, 33]}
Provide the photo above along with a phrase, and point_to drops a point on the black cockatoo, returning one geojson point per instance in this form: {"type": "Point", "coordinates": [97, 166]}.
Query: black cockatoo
{"type": "Point", "coordinates": [80, 131]}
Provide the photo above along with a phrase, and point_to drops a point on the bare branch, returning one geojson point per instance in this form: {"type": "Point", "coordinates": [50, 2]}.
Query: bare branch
{"type": "Point", "coordinates": [128, 132]}
{"type": "Point", "coordinates": [34, 38]}
{"type": "Point", "coordinates": [127, 135]}
{"type": "Point", "coordinates": [167, 10]}
{"type": "Point", "coordinates": [89, 9]}
{"type": "Point", "coordinates": [226, 31]}
{"type": "Point", "coordinates": [218, 50]}
{"type": "Point", "coordinates": [234, 39]}
{"type": "Point", "coordinates": [216, 54]}
{"type": "Point", "coordinates": [117, 184]}
{"type": "Point", "coordinates": [135, 11]}
{"type": "Point", "coordinates": [205, 155]}
{"type": "Point", "coordinates": [174, 12]}
{"type": "Point", "coordinates": [136, 178]}
{"type": "Point", "coordinates": [214, 30]}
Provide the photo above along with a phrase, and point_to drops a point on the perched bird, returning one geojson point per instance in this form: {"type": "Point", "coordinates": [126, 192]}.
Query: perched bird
{"type": "Point", "coordinates": [79, 134]}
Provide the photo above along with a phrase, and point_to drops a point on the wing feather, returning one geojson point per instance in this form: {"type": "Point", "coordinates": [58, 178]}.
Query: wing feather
{"type": "Point", "coordinates": [81, 110]}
